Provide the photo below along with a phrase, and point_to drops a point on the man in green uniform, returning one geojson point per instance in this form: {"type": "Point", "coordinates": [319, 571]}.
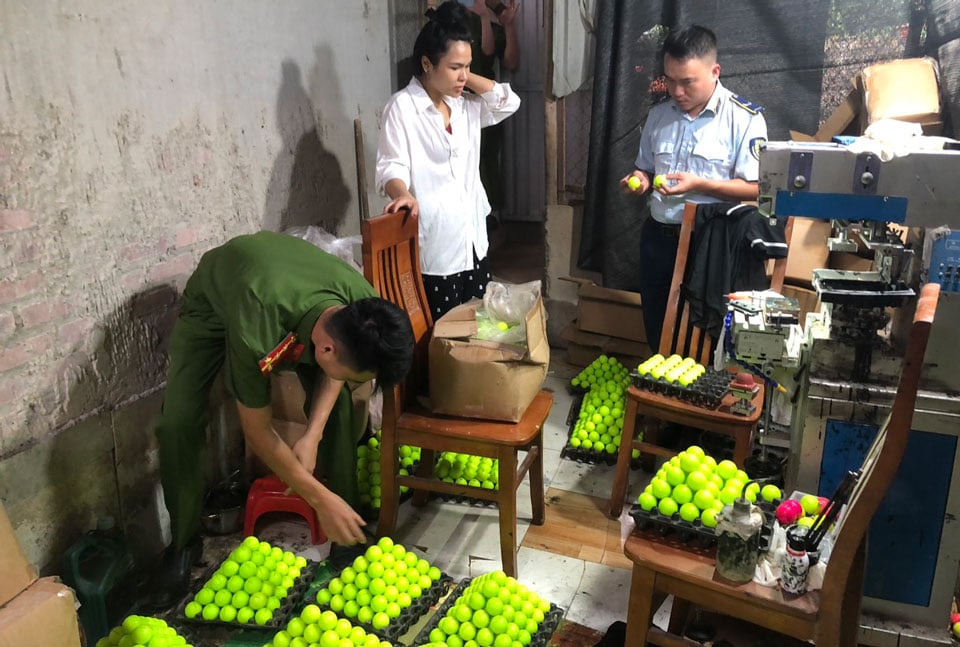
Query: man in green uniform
{"type": "Point", "coordinates": [256, 304]}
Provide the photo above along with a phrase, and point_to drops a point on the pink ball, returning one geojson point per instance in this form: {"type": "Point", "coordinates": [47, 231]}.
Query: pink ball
{"type": "Point", "coordinates": [788, 512]}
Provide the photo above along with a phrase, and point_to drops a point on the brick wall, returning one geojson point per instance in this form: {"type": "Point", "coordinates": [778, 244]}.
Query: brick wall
{"type": "Point", "coordinates": [133, 139]}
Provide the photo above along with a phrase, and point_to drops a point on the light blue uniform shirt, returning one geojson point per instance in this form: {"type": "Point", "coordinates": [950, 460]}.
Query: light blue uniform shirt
{"type": "Point", "coordinates": [721, 143]}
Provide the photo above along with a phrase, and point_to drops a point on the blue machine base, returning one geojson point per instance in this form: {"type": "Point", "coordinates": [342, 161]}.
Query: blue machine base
{"type": "Point", "coordinates": [904, 538]}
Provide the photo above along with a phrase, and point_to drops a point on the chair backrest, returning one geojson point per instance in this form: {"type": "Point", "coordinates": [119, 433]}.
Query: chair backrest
{"type": "Point", "coordinates": [883, 458]}
{"type": "Point", "coordinates": [679, 335]}
{"type": "Point", "coordinates": [391, 263]}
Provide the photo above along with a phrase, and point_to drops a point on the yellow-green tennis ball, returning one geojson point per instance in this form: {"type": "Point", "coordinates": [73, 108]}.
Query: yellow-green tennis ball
{"type": "Point", "coordinates": [770, 493]}
{"type": "Point", "coordinates": [633, 182]}
{"type": "Point", "coordinates": [689, 512]}
{"type": "Point", "coordinates": [659, 181]}
{"type": "Point", "coordinates": [503, 325]}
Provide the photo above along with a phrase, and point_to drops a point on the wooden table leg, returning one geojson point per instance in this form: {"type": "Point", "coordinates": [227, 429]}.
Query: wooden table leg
{"type": "Point", "coordinates": [640, 609]}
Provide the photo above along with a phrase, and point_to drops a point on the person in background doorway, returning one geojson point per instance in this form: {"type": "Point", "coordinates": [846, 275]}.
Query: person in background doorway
{"type": "Point", "coordinates": [256, 304]}
{"type": "Point", "coordinates": [493, 29]}
{"type": "Point", "coordinates": [702, 146]}
{"type": "Point", "coordinates": [428, 157]}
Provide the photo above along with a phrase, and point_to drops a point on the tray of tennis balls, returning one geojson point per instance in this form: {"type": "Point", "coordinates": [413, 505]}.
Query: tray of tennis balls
{"type": "Point", "coordinates": [144, 630]}
{"type": "Point", "coordinates": [492, 609]}
{"type": "Point", "coordinates": [385, 590]}
{"type": "Point", "coordinates": [256, 585]}
{"type": "Point", "coordinates": [313, 626]}
{"type": "Point", "coordinates": [683, 378]}
{"type": "Point", "coordinates": [689, 491]}
{"type": "Point", "coordinates": [596, 415]}
{"type": "Point", "coordinates": [465, 469]}
{"type": "Point", "coordinates": [368, 472]}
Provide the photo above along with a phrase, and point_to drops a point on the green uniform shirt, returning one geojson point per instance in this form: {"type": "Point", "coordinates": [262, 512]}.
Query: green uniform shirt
{"type": "Point", "coordinates": [266, 291]}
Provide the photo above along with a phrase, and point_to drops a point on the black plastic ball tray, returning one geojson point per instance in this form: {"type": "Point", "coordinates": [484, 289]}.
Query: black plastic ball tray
{"type": "Point", "coordinates": [281, 614]}
{"type": "Point", "coordinates": [707, 391]}
{"type": "Point", "coordinates": [694, 531]}
{"type": "Point", "coordinates": [586, 455]}
{"type": "Point", "coordinates": [551, 620]}
{"type": "Point", "coordinates": [402, 623]}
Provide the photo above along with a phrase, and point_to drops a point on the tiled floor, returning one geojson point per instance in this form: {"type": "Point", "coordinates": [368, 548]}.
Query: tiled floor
{"type": "Point", "coordinates": [574, 559]}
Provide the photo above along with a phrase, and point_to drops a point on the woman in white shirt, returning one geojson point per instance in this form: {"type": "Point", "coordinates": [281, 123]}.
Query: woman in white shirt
{"type": "Point", "coordinates": [428, 157]}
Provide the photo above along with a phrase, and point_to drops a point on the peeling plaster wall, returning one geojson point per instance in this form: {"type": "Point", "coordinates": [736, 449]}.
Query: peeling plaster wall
{"type": "Point", "coordinates": [133, 137]}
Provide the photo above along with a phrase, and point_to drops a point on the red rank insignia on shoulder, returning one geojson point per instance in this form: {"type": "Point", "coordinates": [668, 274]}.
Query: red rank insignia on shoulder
{"type": "Point", "coordinates": [287, 350]}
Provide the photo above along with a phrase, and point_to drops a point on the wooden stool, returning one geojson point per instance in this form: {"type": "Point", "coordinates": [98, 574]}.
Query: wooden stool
{"type": "Point", "coordinates": [267, 495]}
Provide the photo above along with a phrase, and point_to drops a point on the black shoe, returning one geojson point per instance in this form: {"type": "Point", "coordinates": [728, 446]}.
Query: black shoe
{"type": "Point", "coordinates": [172, 579]}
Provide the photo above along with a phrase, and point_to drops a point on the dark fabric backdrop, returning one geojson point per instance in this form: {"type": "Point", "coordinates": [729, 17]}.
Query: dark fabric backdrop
{"type": "Point", "coordinates": [795, 59]}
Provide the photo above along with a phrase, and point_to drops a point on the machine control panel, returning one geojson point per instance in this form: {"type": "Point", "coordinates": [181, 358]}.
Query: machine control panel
{"type": "Point", "coordinates": [944, 263]}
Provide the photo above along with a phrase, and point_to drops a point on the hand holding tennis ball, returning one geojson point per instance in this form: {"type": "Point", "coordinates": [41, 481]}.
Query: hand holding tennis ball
{"type": "Point", "coordinates": [634, 182]}
{"type": "Point", "coordinates": [659, 181]}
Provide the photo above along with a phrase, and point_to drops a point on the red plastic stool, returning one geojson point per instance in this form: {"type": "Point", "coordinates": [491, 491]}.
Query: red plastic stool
{"type": "Point", "coordinates": [267, 495]}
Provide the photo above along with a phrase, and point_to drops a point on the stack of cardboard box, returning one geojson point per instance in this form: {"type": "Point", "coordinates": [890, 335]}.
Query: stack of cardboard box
{"type": "Point", "coordinates": [609, 322]}
{"type": "Point", "coordinates": [34, 612]}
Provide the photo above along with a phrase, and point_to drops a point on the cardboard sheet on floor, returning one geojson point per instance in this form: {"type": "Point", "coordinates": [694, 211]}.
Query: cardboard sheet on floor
{"type": "Point", "coordinates": [485, 379]}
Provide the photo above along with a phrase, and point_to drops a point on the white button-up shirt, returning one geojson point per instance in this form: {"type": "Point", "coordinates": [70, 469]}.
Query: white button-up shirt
{"type": "Point", "coordinates": [719, 144]}
{"type": "Point", "coordinates": [442, 169]}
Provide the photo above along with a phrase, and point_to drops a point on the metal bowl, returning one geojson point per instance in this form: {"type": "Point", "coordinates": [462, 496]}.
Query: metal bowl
{"type": "Point", "coordinates": [222, 522]}
{"type": "Point", "coordinates": [223, 509]}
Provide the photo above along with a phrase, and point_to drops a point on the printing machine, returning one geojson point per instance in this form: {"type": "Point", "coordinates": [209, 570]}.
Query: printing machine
{"type": "Point", "coordinates": [838, 369]}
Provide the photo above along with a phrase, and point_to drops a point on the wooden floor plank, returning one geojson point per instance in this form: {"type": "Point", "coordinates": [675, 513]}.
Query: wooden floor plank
{"type": "Point", "coordinates": [577, 526]}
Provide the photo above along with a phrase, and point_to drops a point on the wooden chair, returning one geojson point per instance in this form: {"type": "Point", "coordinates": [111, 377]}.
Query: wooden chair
{"type": "Point", "coordinates": [681, 337]}
{"type": "Point", "coordinates": [828, 617]}
{"type": "Point", "coordinates": [391, 262]}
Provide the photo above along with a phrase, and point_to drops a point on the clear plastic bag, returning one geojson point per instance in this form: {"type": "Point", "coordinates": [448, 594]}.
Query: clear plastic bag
{"type": "Point", "coordinates": [347, 249]}
{"type": "Point", "coordinates": [503, 315]}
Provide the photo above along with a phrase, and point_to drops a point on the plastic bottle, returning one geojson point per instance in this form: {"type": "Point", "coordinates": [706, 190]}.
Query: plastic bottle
{"type": "Point", "coordinates": [738, 541]}
{"type": "Point", "coordinates": [796, 562]}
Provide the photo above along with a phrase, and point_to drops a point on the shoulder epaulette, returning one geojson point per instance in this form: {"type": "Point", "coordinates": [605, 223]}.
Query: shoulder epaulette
{"type": "Point", "coordinates": [749, 106]}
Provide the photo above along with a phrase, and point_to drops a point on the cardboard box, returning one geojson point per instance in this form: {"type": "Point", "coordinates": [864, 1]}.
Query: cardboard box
{"type": "Point", "coordinates": [43, 615]}
{"type": "Point", "coordinates": [583, 347]}
{"type": "Point", "coordinates": [849, 262]}
{"type": "Point", "coordinates": [906, 89]}
{"type": "Point", "coordinates": [809, 302]}
{"type": "Point", "coordinates": [17, 572]}
{"type": "Point", "coordinates": [605, 311]}
{"type": "Point", "coordinates": [484, 379]}
{"type": "Point", "coordinates": [808, 250]}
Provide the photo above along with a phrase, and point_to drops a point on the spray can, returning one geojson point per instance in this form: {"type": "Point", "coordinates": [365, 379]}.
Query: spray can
{"type": "Point", "coordinates": [738, 540]}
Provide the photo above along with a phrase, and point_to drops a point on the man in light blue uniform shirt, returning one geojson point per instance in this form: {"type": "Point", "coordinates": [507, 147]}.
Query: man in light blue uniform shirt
{"type": "Point", "coordinates": [704, 142]}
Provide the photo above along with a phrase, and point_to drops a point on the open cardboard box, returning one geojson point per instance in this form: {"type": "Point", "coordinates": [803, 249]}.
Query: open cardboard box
{"type": "Point", "coordinates": [33, 612]}
{"type": "Point", "coordinates": [486, 379]}
{"type": "Point", "coordinates": [905, 89]}
{"type": "Point", "coordinates": [17, 572]}
{"type": "Point", "coordinates": [43, 615]}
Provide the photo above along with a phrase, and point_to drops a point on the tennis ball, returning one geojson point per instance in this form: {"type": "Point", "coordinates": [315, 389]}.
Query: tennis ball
{"type": "Point", "coordinates": [810, 504]}
{"type": "Point", "coordinates": [633, 182]}
{"type": "Point", "coordinates": [709, 518]}
{"type": "Point", "coordinates": [647, 501]}
{"type": "Point", "coordinates": [770, 493]}
{"type": "Point", "coordinates": [689, 512]}
{"type": "Point", "coordinates": [503, 326]}
{"type": "Point", "coordinates": [667, 507]}
{"type": "Point", "coordinates": [659, 181]}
